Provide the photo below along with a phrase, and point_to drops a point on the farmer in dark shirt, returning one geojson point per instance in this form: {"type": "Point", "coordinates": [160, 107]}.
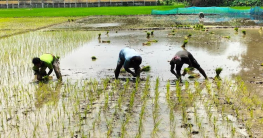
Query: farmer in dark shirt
{"type": "Point", "coordinates": [184, 57]}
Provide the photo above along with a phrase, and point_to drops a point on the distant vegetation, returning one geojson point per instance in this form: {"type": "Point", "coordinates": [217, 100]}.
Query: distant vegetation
{"type": "Point", "coordinates": [207, 3]}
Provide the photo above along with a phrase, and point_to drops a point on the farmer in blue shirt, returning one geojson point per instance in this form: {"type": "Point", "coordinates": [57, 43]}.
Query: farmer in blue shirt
{"type": "Point", "coordinates": [128, 58]}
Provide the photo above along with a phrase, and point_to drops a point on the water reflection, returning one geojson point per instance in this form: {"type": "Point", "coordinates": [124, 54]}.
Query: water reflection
{"type": "Point", "coordinates": [210, 50]}
{"type": "Point", "coordinates": [47, 93]}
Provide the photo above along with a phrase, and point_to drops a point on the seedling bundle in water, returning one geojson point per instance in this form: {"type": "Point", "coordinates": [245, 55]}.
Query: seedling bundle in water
{"type": "Point", "coordinates": [146, 68]}
{"type": "Point", "coordinates": [244, 32]}
{"type": "Point", "coordinates": [218, 71]}
{"type": "Point", "coordinates": [93, 58]}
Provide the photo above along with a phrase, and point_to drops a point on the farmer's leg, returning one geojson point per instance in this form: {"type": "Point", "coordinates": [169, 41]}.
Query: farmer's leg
{"type": "Point", "coordinates": [57, 69]}
{"type": "Point", "coordinates": [202, 72]}
{"type": "Point", "coordinates": [198, 67]}
{"type": "Point", "coordinates": [138, 61]}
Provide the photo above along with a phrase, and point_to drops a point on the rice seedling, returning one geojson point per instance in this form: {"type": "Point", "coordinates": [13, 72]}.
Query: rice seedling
{"type": "Point", "coordinates": [218, 71]}
{"type": "Point", "coordinates": [146, 44]}
{"type": "Point", "coordinates": [93, 58]}
{"type": "Point", "coordinates": [148, 34]}
{"type": "Point", "coordinates": [244, 32]}
{"type": "Point", "coordinates": [185, 42]}
{"type": "Point", "coordinates": [146, 68]}
{"type": "Point", "coordinates": [236, 29]}
{"type": "Point", "coordinates": [155, 41]}
{"type": "Point", "coordinates": [105, 41]}
{"type": "Point", "coordinates": [228, 37]}
{"type": "Point", "coordinates": [152, 32]}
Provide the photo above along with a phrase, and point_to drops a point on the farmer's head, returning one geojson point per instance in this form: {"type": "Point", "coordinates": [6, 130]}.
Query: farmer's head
{"type": "Point", "coordinates": [176, 59]}
{"type": "Point", "coordinates": [36, 61]}
{"type": "Point", "coordinates": [136, 60]}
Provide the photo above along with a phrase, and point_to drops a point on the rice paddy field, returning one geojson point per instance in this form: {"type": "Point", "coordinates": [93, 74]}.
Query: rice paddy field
{"type": "Point", "coordinates": [89, 102]}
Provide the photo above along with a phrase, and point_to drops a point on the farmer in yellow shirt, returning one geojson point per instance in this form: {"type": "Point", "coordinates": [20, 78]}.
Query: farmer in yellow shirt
{"type": "Point", "coordinates": [46, 61]}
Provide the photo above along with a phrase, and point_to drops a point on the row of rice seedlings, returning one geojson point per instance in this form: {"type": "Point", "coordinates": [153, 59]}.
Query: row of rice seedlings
{"type": "Point", "coordinates": [243, 103]}
{"type": "Point", "coordinates": [155, 110]}
{"type": "Point", "coordinates": [144, 99]}
{"type": "Point", "coordinates": [18, 51]}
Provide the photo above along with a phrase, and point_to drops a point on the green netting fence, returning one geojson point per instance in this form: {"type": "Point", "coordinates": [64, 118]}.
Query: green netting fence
{"type": "Point", "coordinates": [209, 10]}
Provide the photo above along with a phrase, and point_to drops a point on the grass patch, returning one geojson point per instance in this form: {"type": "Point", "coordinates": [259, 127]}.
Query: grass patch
{"type": "Point", "coordinates": [88, 11]}
{"type": "Point", "coordinates": [17, 25]}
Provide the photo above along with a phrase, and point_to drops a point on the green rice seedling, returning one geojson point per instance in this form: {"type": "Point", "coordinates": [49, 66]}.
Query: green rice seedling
{"type": "Point", "coordinates": [212, 32]}
{"type": "Point", "coordinates": [107, 32]}
{"type": "Point", "coordinates": [168, 92]}
{"type": "Point", "coordinates": [156, 129]}
{"type": "Point", "coordinates": [146, 44]}
{"type": "Point", "coordinates": [194, 75]}
{"type": "Point", "coordinates": [99, 36]}
{"type": "Point", "coordinates": [189, 35]}
{"type": "Point", "coordinates": [244, 32]}
{"type": "Point", "coordinates": [155, 41]}
{"type": "Point", "coordinates": [228, 37]}
{"type": "Point", "coordinates": [185, 42]}
{"type": "Point", "coordinates": [233, 131]}
{"type": "Point", "coordinates": [178, 91]}
{"type": "Point", "coordinates": [105, 41]}
{"type": "Point", "coordinates": [123, 126]}
{"type": "Point", "coordinates": [218, 71]}
{"type": "Point", "coordinates": [152, 32]}
{"type": "Point", "coordinates": [146, 68]}
{"type": "Point", "coordinates": [109, 126]}
{"type": "Point", "coordinates": [106, 103]}
{"type": "Point", "coordinates": [93, 58]}
{"type": "Point", "coordinates": [236, 29]}
{"type": "Point", "coordinates": [148, 35]}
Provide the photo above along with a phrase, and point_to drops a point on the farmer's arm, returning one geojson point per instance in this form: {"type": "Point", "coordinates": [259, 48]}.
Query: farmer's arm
{"type": "Point", "coordinates": [172, 69]}
{"type": "Point", "coordinates": [50, 67]}
{"type": "Point", "coordinates": [126, 67]}
{"type": "Point", "coordinates": [178, 71]}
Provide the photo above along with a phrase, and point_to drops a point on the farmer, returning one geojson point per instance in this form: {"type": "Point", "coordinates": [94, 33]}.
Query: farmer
{"type": "Point", "coordinates": [128, 58]}
{"type": "Point", "coordinates": [46, 61]}
{"type": "Point", "coordinates": [184, 57]}
{"type": "Point", "coordinates": [201, 17]}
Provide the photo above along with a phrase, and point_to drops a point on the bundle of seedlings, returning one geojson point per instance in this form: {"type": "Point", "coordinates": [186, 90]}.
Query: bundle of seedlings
{"type": "Point", "coordinates": [146, 68]}
{"type": "Point", "coordinates": [194, 75]}
{"type": "Point", "coordinates": [146, 44]}
{"type": "Point", "coordinates": [153, 41]}
{"type": "Point", "coordinates": [218, 71]}
{"type": "Point", "coordinates": [236, 29]}
{"type": "Point", "coordinates": [93, 58]}
{"type": "Point", "coordinates": [185, 42]}
{"type": "Point", "coordinates": [187, 70]}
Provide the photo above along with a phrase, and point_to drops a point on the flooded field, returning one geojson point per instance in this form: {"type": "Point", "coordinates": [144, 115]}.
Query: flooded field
{"type": "Point", "coordinates": [89, 102]}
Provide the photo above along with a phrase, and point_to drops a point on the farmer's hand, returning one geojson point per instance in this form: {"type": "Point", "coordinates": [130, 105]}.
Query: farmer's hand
{"type": "Point", "coordinates": [45, 77]}
{"type": "Point", "coordinates": [134, 74]}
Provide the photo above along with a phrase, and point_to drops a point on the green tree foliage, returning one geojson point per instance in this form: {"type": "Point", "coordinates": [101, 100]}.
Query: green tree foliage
{"type": "Point", "coordinates": [207, 3]}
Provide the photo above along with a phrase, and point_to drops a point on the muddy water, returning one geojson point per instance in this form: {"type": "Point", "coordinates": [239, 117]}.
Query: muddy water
{"type": "Point", "coordinates": [238, 56]}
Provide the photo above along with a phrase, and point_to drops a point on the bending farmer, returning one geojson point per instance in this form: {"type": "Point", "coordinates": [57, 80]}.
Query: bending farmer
{"type": "Point", "coordinates": [46, 61]}
{"type": "Point", "coordinates": [128, 58]}
{"type": "Point", "coordinates": [184, 57]}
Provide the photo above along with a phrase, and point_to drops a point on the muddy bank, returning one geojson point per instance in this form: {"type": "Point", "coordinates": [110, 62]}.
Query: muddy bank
{"type": "Point", "coordinates": [156, 22]}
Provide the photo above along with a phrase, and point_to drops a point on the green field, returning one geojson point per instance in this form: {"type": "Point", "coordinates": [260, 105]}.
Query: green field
{"type": "Point", "coordinates": [74, 12]}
